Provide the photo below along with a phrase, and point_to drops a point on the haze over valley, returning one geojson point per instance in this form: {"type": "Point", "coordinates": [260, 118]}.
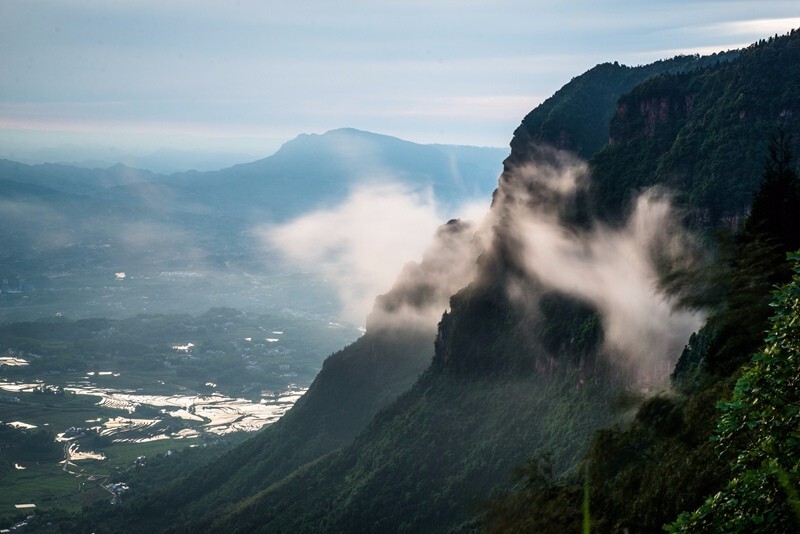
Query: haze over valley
{"type": "Point", "coordinates": [99, 261]}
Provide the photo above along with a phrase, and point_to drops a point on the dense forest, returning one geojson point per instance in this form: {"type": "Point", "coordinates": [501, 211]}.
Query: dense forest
{"type": "Point", "coordinates": [515, 415]}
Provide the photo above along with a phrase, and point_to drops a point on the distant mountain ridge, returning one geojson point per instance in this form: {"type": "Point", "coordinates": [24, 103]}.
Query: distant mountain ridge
{"type": "Point", "coordinates": [73, 220]}
{"type": "Point", "coordinates": [338, 161]}
{"type": "Point", "coordinates": [71, 179]}
{"type": "Point", "coordinates": [160, 161]}
{"type": "Point", "coordinates": [307, 172]}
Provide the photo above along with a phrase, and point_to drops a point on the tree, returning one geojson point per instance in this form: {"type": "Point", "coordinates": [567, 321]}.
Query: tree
{"type": "Point", "coordinates": [758, 431]}
{"type": "Point", "coordinates": [775, 206]}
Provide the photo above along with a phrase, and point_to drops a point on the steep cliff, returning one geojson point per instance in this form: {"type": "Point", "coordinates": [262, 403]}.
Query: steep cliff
{"type": "Point", "coordinates": [702, 133]}
{"type": "Point", "coordinates": [576, 117]}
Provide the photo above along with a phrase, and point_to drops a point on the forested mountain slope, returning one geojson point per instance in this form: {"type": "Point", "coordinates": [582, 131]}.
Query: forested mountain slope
{"type": "Point", "coordinates": [534, 351]}
{"type": "Point", "coordinates": [577, 116]}
{"type": "Point", "coordinates": [680, 450]}
{"type": "Point", "coordinates": [702, 134]}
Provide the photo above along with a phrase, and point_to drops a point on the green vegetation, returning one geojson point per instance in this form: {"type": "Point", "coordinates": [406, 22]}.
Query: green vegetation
{"type": "Point", "coordinates": [45, 483]}
{"type": "Point", "coordinates": [26, 445]}
{"type": "Point", "coordinates": [30, 468]}
{"type": "Point", "coordinates": [757, 433]}
{"type": "Point", "coordinates": [701, 133]}
{"type": "Point", "coordinates": [426, 462]}
{"type": "Point", "coordinates": [577, 116]}
{"type": "Point", "coordinates": [58, 494]}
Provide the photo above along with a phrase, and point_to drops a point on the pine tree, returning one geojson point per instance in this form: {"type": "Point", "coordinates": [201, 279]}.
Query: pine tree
{"type": "Point", "coordinates": [774, 214]}
{"type": "Point", "coordinates": [758, 262]}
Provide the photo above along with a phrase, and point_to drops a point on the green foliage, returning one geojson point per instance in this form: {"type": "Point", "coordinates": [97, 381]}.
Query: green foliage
{"type": "Point", "coordinates": [570, 327]}
{"type": "Point", "coordinates": [161, 468]}
{"type": "Point", "coordinates": [736, 286]}
{"type": "Point", "coordinates": [776, 203]}
{"type": "Point", "coordinates": [483, 334]}
{"type": "Point", "coordinates": [758, 432]}
{"type": "Point", "coordinates": [587, 515]}
{"type": "Point", "coordinates": [540, 503]}
{"type": "Point", "coordinates": [427, 461]}
{"type": "Point", "coordinates": [29, 445]}
{"type": "Point", "coordinates": [639, 475]}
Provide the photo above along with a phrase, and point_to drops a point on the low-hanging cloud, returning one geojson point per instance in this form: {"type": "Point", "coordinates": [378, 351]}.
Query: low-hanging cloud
{"type": "Point", "coordinates": [616, 269]}
{"type": "Point", "coordinates": [422, 291]}
{"type": "Point", "coordinates": [362, 244]}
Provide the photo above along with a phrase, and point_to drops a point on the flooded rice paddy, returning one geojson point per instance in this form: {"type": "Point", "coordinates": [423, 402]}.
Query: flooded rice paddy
{"type": "Point", "coordinates": [199, 414]}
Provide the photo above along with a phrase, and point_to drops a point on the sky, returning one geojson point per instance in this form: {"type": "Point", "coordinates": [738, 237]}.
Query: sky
{"type": "Point", "coordinates": [108, 77]}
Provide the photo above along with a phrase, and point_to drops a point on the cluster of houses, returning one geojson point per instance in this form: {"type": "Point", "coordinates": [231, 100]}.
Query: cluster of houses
{"type": "Point", "coordinates": [117, 489]}
{"type": "Point", "coordinates": [20, 525]}
{"type": "Point", "coordinates": [16, 285]}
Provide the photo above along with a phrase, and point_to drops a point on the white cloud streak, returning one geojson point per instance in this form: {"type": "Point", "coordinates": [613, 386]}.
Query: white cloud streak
{"type": "Point", "coordinates": [614, 269]}
{"type": "Point", "coordinates": [422, 291]}
{"type": "Point", "coordinates": [362, 244]}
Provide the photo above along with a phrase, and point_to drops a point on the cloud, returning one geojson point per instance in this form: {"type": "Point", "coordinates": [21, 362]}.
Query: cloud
{"type": "Point", "coordinates": [754, 28]}
{"type": "Point", "coordinates": [422, 291]}
{"type": "Point", "coordinates": [615, 269]}
{"type": "Point", "coordinates": [362, 244]}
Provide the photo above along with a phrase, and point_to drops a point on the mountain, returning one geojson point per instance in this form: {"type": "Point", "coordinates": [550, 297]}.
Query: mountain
{"type": "Point", "coordinates": [160, 161]}
{"type": "Point", "coordinates": [702, 133]}
{"type": "Point", "coordinates": [169, 161]}
{"type": "Point", "coordinates": [71, 228]}
{"type": "Point", "coordinates": [705, 135]}
{"type": "Point", "coordinates": [71, 179]}
{"type": "Point", "coordinates": [577, 117]}
{"type": "Point", "coordinates": [307, 173]}
{"type": "Point", "coordinates": [566, 316]}
{"type": "Point", "coordinates": [336, 162]}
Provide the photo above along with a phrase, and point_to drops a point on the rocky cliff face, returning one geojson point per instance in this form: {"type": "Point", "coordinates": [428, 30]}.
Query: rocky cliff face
{"type": "Point", "coordinates": [576, 118]}
{"type": "Point", "coordinates": [641, 118]}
